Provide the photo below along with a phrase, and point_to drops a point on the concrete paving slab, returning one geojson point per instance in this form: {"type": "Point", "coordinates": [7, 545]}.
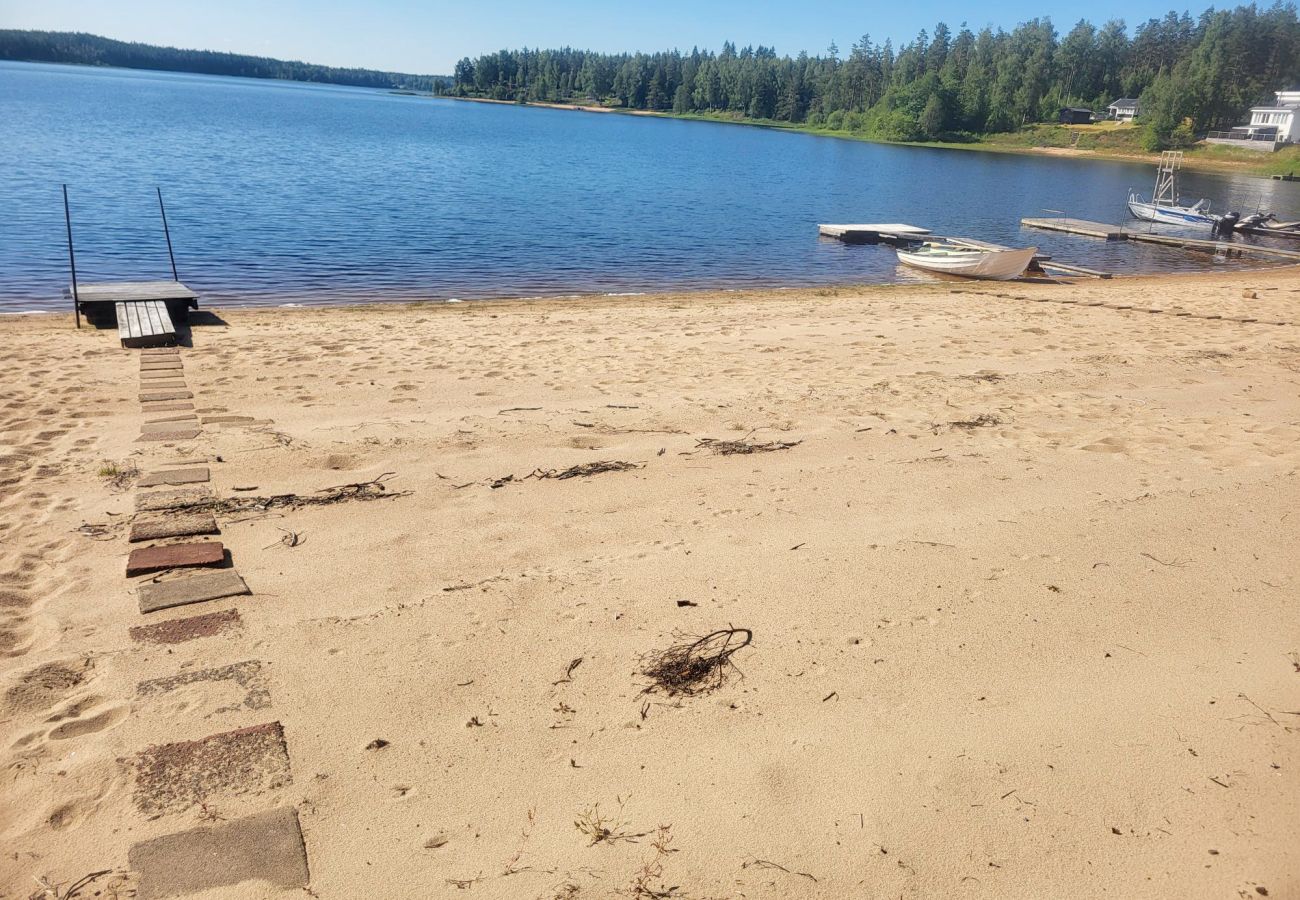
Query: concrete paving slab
{"type": "Point", "coordinates": [168, 436]}
{"type": "Point", "coordinates": [177, 498]}
{"type": "Point", "coordinates": [177, 524]}
{"type": "Point", "coordinates": [200, 588]}
{"type": "Point", "coordinates": [266, 847]}
{"type": "Point", "coordinates": [191, 475]}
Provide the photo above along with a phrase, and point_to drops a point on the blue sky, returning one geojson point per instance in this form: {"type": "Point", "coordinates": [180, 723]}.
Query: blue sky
{"type": "Point", "coordinates": [428, 37]}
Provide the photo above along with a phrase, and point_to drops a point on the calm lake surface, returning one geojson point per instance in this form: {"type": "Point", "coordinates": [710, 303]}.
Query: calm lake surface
{"type": "Point", "coordinates": [291, 193]}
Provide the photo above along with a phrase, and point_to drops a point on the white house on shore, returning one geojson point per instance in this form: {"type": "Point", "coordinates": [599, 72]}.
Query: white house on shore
{"type": "Point", "coordinates": [1125, 109]}
{"type": "Point", "coordinates": [1270, 126]}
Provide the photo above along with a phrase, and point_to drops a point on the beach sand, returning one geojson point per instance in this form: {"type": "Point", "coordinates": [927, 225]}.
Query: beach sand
{"type": "Point", "coordinates": [1023, 597]}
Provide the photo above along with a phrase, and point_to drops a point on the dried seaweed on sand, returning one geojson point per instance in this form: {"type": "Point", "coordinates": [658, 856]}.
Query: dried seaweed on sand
{"type": "Point", "coordinates": [744, 445]}
{"type": "Point", "coordinates": [697, 665]}
{"type": "Point", "coordinates": [585, 470]}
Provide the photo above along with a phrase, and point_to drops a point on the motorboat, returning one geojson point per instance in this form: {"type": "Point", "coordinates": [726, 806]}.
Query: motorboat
{"type": "Point", "coordinates": [1165, 205]}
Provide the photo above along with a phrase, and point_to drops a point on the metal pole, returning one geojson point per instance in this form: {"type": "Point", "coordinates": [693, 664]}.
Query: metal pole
{"type": "Point", "coordinates": [168, 233]}
{"type": "Point", "coordinates": [72, 258]}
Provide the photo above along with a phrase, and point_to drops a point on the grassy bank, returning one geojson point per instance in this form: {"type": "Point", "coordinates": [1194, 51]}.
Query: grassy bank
{"type": "Point", "coordinates": [1104, 140]}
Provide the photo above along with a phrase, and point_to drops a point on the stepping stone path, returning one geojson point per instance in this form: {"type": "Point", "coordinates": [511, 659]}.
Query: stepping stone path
{"type": "Point", "coordinates": [267, 846]}
{"type": "Point", "coordinates": [147, 560]}
{"type": "Point", "coordinates": [176, 777]}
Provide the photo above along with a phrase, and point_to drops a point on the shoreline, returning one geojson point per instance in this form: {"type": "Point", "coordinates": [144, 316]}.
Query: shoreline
{"type": "Point", "coordinates": [1198, 163]}
{"type": "Point", "coordinates": [711, 294]}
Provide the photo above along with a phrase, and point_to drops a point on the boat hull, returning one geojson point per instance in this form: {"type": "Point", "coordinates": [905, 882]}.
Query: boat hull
{"type": "Point", "coordinates": [992, 265]}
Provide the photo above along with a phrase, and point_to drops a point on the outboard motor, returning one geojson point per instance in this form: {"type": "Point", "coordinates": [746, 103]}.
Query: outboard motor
{"type": "Point", "coordinates": [1227, 224]}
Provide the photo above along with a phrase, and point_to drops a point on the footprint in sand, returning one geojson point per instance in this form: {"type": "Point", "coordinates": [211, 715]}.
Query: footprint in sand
{"type": "Point", "coordinates": [100, 721]}
{"type": "Point", "coordinates": [47, 685]}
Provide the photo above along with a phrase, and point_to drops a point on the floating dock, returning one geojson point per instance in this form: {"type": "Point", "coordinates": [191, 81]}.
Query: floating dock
{"type": "Point", "coordinates": [890, 233]}
{"type": "Point", "coordinates": [1118, 232]}
{"type": "Point", "coordinates": [1078, 226]}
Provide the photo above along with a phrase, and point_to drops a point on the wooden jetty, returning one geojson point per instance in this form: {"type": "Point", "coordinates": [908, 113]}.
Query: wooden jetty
{"type": "Point", "coordinates": [143, 310]}
{"type": "Point", "coordinates": [891, 233]}
{"type": "Point", "coordinates": [1118, 232]}
{"type": "Point", "coordinates": [896, 234]}
{"type": "Point", "coordinates": [1078, 226]}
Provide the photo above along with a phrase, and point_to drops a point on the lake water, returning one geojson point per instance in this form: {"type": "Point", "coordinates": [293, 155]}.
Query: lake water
{"type": "Point", "coordinates": [280, 192]}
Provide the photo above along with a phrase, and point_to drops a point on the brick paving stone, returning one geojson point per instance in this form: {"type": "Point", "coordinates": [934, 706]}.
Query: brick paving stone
{"type": "Point", "coordinates": [150, 396]}
{"type": "Point", "coordinates": [171, 778]}
{"type": "Point", "coordinates": [144, 560]}
{"type": "Point", "coordinates": [154, 596]}
{"type": "Point", "coordinates": [175, 631]}
{"type": "Point", "coordinates": [164, 407]}
{"type": "Point", "coordinates": [267, 847]}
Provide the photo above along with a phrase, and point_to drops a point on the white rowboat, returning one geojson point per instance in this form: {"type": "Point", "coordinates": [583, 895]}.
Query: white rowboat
{"type": "Point", "coordinates": [969, 262]}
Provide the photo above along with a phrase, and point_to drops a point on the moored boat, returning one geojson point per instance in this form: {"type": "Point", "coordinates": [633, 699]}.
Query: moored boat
{"type": "Point", "coordinates": [968, 262]}
{"type": "Point", "coordinates": [1165, 206]}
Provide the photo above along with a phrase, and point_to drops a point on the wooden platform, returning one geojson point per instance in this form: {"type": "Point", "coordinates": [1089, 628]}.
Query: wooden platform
{"type": "Point", "coordinates": [1116, 232]}
{"type": "Point", "coordinates": [872, 234]}
{"type": "Point", "coordinates": [1078, 226]}
{"type": "Point", "coordinates": [119, 291]}
{"type": "Point", "coordinates": [144, 323]}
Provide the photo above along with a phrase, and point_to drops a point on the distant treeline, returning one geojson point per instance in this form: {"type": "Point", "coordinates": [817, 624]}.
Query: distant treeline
{"type": "Point", "coordinates": [1191, 74]}
{"type": "Point", "coordinates": [92, 50]}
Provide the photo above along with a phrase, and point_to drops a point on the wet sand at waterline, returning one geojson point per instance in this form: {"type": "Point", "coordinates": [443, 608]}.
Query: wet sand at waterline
{"type": "Point", "coordinates": [1021, 579]}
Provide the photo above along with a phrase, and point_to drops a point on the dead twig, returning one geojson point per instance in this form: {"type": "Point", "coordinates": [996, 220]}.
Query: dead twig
{"type": "Point", "coordinates": [374, 489]}
{"type": "Point", "coordinates": [742, 446]}
{"type": "Point", "coordinates": [48, 891]}
{"type": "Point", "coordinates": [287, 539]}
{"type": "Point", "coordinates": [584, 470]}
{"type": "Point", "coordinates": [983, 420]}
{"type": "Point", "coordinates": [696, 666]}
{"type": "Point", "coordinates": [768, 864]}
{"type": "Point", "coordinates": [1176, 564]}
{"type": "Point", "coordinates": [568, 673]}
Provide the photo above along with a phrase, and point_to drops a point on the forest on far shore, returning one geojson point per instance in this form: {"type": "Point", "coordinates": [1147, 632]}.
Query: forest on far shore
{"type": "Point", "coordinates": [1192, 76]}
{"type": "Point", "coordinates": [92, 50]}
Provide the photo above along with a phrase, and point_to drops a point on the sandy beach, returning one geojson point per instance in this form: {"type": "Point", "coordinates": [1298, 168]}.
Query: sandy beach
{"type": "Point", "coordinates": [1020, 573]}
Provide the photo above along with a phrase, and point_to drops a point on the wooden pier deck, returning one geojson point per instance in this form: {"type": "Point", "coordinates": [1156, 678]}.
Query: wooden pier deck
{"type": "Point", "coordinates": [1078, 226]}
{"type": "Point", "coordinates": [143, 310]}
{"type": "Point", "coordinates": [1118, 232]}
{"type": "Point", "coordinates": [887, 233]}
{"type": "Point", "coordinates": [144, 323]}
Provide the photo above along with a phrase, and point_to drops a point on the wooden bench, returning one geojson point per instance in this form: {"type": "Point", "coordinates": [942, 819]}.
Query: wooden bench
{"type": "Point", "coordinates": [144, 323]}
